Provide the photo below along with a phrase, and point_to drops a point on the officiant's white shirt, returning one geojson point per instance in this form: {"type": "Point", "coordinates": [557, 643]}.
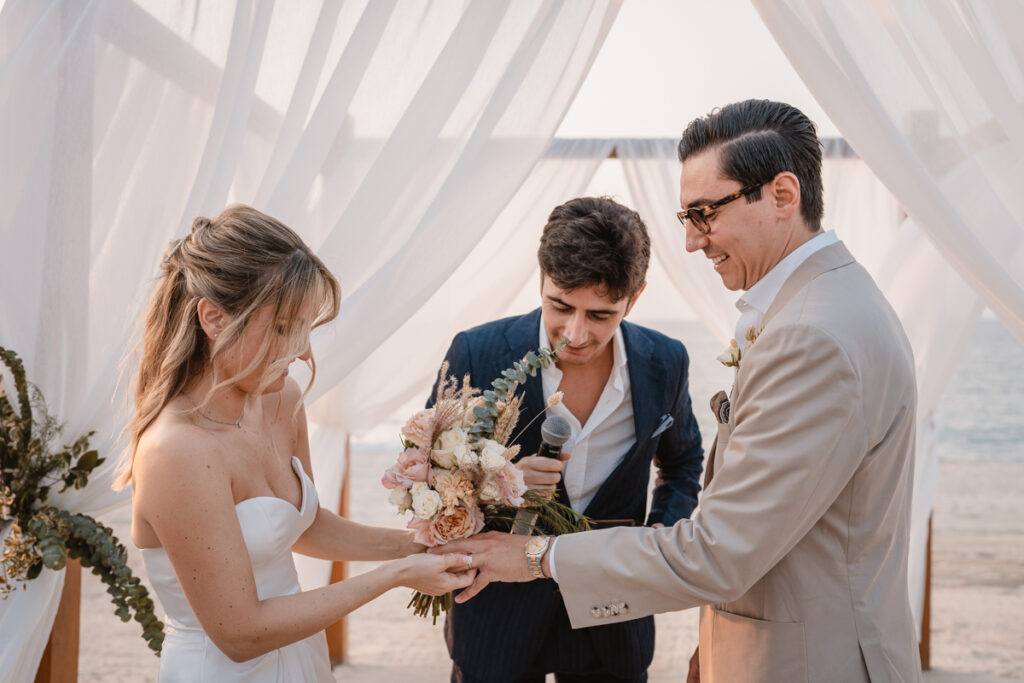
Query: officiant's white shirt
{"type": "Point", "coordinates": [598, 446]}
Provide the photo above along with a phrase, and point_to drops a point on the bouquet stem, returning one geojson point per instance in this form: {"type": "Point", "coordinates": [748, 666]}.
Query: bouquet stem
{"type": "Point", "coordinates": [424, 605]}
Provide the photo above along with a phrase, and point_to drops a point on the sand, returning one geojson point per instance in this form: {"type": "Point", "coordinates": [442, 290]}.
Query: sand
{"type": "Point", "coordinates": [977, 598]}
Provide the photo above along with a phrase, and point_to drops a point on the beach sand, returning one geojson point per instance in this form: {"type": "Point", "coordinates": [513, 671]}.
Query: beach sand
{"type": "Point", "coordinates": [977, 595]}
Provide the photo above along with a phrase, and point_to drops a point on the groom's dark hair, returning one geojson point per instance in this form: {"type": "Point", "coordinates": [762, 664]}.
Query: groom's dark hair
{"type": "Point", "coordinates": [759, 140]}
{"type": "Point", "coordinates": [592, 241]}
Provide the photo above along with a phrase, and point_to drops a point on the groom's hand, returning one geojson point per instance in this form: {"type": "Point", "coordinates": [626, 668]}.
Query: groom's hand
{"type": "Point", "coordinates": [496, 557]}
{"type": "Point", "coordinates": [540, 472]}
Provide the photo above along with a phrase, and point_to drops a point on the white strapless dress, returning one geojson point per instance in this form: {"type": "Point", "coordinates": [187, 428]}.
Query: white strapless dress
{"type": "Point", "coordinates": [270, 526]}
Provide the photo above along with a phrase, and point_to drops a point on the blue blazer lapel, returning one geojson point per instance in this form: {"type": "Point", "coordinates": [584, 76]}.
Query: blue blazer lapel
{"type": "Point", "coordinates": [522, 336]}
{"type": "Point", "coordinates": [646, 382]}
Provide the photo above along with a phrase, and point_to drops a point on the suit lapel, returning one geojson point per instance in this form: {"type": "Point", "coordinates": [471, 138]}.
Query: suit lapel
{"type": "Point", "coordinates": [522, 336]}
{"type": "Point", "coordinates": [831, 257]}
{"type": "Point", "coordinates": [646, 380]}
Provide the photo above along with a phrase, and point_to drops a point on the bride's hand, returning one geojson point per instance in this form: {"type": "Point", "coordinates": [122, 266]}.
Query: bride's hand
{"type": "Point", "coordinates": [435, 574]}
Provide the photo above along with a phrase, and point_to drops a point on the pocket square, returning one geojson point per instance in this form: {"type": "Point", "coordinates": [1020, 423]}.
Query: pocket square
{"type": "Point", "coordinates": [720, 407]}
{"type": "Point", "coordinates": [666, 422]}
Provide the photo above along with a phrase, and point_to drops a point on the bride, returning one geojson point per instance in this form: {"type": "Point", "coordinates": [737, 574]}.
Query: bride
{"type": "Point", "coordinates": [219, 464]}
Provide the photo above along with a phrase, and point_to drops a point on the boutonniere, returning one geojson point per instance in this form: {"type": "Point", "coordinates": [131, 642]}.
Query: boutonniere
{"type": "Point", "coordinates": [732, 355]}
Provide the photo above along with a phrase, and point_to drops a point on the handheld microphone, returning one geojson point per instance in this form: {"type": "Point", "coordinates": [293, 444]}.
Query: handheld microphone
{"type": "Point", "coordinates": [554, 432]}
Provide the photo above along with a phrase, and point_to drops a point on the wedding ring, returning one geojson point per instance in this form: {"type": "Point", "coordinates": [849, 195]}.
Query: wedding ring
{"type": "Point", "coordinates": [469, 561]}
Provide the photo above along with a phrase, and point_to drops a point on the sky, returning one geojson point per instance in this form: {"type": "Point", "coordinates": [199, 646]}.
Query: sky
{"type": "Point", "coordinates": [666, 62]}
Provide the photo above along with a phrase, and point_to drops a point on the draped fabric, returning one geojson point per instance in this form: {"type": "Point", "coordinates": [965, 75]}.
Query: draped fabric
{"type": "Point", "coordinates": [390, 134]}
{"type": "Point", "coordinates": [938, 310]}
{"type": "Point", "coordinates": [931, 96]}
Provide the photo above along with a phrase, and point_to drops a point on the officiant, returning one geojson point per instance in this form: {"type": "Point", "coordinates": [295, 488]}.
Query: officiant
{"type": "Point", "coordinates": [626, 398]}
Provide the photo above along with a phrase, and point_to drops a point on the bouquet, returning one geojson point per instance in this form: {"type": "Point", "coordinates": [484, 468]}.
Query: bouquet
{"type": "Point", "coordinates": [456, 472]}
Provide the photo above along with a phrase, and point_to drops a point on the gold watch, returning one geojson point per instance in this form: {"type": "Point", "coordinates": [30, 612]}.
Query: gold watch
{"type": "Point", "coordinates": [535, 549]}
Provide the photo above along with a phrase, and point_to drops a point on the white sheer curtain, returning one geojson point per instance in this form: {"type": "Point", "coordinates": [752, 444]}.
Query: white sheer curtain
{"type": "Point", "coordinates": [938, 310]}
{"type": "Point", "coordinates": [931, 95]}
{"type": "Point", "coordinates": [390, 134]}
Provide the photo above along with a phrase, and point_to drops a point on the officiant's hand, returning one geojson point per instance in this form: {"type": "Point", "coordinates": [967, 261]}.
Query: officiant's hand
{"type": "Point", "coordinates": [496, 557]}
{"type": "Point", "coordinates": [540, 472]}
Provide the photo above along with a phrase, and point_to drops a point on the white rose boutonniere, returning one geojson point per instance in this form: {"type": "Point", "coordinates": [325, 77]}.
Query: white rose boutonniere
{"type": "Point", "coordinates": [730, 358]}
{"type": "Point", "coordinates": [732, 355]}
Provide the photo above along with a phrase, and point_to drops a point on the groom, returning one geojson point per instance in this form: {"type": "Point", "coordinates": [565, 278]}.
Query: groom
{"type": "Point", "coordinates": [627, 401]}
{"type": "Point", "coordinates": [797, 552]}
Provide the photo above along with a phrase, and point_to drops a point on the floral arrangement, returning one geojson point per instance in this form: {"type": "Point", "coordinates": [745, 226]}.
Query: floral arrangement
{"type": "Point", "coordinates": [37, 535]}
{"type": "Point", "coordinates": [456, 472]}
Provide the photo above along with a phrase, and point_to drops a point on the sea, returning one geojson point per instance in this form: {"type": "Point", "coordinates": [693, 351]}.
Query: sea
{"type": "Point", "coordinates": [980, 416]}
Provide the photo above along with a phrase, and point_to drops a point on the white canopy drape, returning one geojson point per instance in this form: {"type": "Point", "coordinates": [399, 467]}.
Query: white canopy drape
{"type": "Point", "coordinates": [389, 134]}
{"type": "Point", "coordinates": [931, 95]}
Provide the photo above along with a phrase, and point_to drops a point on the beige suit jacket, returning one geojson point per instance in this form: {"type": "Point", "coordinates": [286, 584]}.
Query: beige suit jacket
{"type": "Point", "coordinates": [798, 547]}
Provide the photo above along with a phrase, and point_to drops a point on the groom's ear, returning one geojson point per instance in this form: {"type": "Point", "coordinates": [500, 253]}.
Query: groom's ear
{"type": "Point", "coordinates": [632, 299]}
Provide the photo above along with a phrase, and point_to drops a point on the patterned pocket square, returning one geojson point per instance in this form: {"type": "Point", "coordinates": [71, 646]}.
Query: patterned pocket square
{"type": "Point", "coordinates": [720, 407]}
{"type": "Point", "coordinates": [666, 422]}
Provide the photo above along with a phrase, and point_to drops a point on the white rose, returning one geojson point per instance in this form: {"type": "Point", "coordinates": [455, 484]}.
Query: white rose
{"type": "Point", "coordinates": [446, 447]}
{"type": "Point", "coordinates": [443, 459]}
{"type": "Point", "coordinates": [425, 504]}
{"type": "Point", "coordinates": [466, 456]}
{"type": "Point", "coordinates": [401, 498]}
{"type": "Point", "coordinates": [419, 487]}
{"type": "Point", "coordinates": [490, 447]}
{"type": "Point", "coordinates": [489, 491]}
{"type": "Point", "coordinates": [450, 438]}
{"type": "Point", "coordinates": [491, 461]}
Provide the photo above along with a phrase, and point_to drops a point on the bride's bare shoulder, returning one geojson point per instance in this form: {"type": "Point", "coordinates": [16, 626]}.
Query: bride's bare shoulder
{"type": "Point", "coordinates": [174, 448]}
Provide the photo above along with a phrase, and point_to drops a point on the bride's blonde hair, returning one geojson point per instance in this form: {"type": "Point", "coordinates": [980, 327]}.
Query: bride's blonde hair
{"type": "Point", "coordinates": [240, 261]}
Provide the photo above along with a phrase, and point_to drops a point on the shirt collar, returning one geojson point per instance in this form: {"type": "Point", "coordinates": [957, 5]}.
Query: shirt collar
{"type": "Point", "coordinates": [764, 291]}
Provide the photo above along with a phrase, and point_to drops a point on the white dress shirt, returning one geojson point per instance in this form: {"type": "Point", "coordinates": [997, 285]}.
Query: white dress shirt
{"type": "Point", "coordinates": [598, 446]}
{"type": "Point", "coordinates": [756, 301]}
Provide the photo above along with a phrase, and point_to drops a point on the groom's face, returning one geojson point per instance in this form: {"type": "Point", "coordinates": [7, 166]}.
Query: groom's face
{"type": "Point", "coordinates": [586, 315]}
{"type": "Point", "coordinates": [743, 243]}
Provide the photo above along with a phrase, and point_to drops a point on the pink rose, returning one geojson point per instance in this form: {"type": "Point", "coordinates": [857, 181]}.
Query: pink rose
{"type": "Point", "coordinates": [461, 522]}
{"type": "Point", "coordinates": [420, 429]}
{"type": "Point", "coordinates": [510, 483]}
{"type": "Point", "coordinates": [413, 465]}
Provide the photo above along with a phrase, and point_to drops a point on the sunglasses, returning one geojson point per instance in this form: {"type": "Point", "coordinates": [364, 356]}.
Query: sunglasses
{"type": "Point", "coordinates": [700, 216]}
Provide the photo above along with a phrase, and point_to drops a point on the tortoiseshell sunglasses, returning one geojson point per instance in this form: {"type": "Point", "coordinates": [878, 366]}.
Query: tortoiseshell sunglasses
{"type": "Point", "coordinates": [700, 216]}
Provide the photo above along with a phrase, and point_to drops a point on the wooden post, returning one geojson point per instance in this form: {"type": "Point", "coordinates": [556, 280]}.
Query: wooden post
{"type": "Point", "coordinates": [60, 659]}
{"type": "Point", "coordinates": [337, 633]}
{"type": "Point", "coordinates": [925, 645]}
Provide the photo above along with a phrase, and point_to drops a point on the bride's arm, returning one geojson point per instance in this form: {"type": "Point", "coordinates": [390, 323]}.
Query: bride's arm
{"type": "Point", "coordinates": [331, 537]}
{"type": "Point", "coordinates": [184, 493]}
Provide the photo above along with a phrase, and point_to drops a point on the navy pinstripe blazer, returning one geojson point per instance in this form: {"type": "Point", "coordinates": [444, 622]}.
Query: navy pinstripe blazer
{"type": "Point", "coordinates": [499, 634]}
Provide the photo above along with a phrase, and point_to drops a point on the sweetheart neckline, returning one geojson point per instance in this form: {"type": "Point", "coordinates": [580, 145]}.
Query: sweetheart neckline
{"type": "Point", "coordinates": [301, 475]}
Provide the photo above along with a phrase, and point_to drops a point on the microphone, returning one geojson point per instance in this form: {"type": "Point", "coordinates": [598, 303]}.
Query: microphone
{"type": "Point", "coordinates": [554, 432]}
